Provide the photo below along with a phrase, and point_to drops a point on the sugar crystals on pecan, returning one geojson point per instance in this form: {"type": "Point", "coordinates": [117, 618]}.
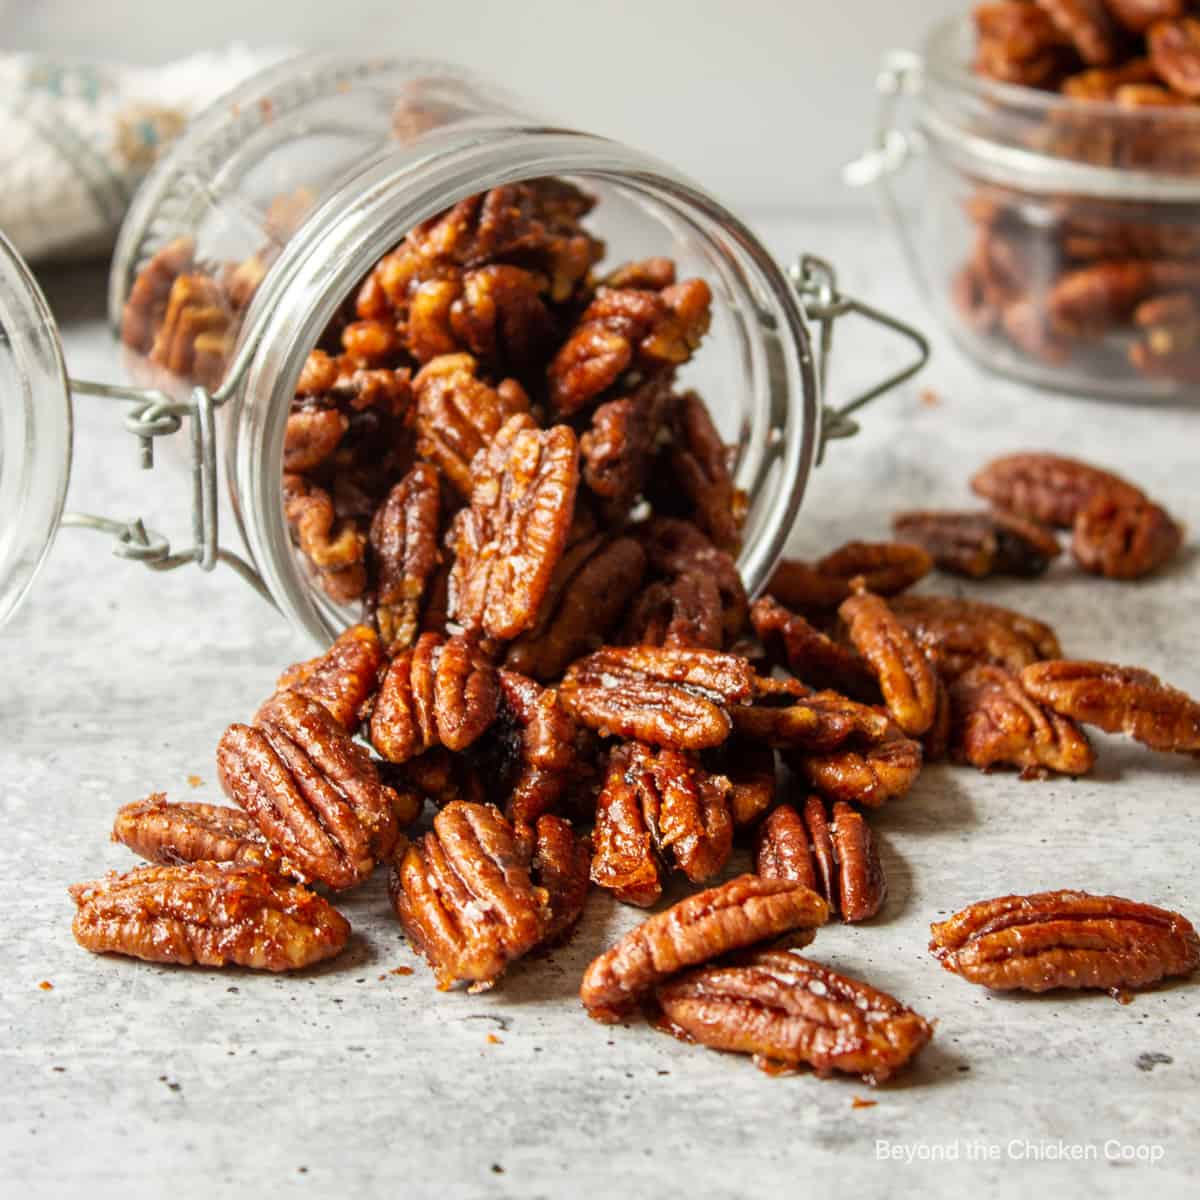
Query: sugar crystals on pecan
{"type": "Point", "coordinates": [172, 833]}
{"type": "Point", "coordinates": [343, 679]}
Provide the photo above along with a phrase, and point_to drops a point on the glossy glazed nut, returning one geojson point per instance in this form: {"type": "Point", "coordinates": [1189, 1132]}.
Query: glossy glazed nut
{"type": "Point", "coordinates": [458, 414]}
{"type": "Point", "coordinates": [996, 722]}
{"type": "Point", "coordinates": [561, 861]}
{"type": "Point", "coordinates": [810, 655]}
{"type": "Point", "coordinates": [906, 678]}
{"type": "Point", "coordinates": [1123, 539]}
{"type": "Point", "coordinates": [1065, 939]}
{"type": "Point", "coordinates": [146, 304]}
{"type": "Point", "coordinates": [1175, 52]}
{"type": "Point", "coordinates": [404, 554]}
{"type": "Point", "coordinates": [313, 434]}
{"type": "Point", "coordinates": [196, 307]}
{"type": "Point", "coordinates": [885, 567]}
{"type": "Point", "coordinates": [1088, 25]}
{"type": "Point", "coordinates": [442, 692]}
{"type": "Point", "coordinates": [741, 913]}
{"type": "Point", "coordinates": [1118, 700]}
{"type": "Point", "coordinates": [662, 695]}
{"type": "Point", "coordinates": [1138, 15]}
{"type": "Point", "coordinates": [592, 585]}
{"type": "Point", "coordinates": [508, 542]}
{"type": "Point", "coordinates": [979, 544]}
{"type": "Point", "coordinates": [167, 833]}
{"type": "Point", "coordinates": [1019, 43]}
{"type": "Point", "coordinates": [624, 860]}
{"type": "Point", "coordinates": [335, 548]}
{"type": "Point", "coordinates": [437, 776]}
{"type": "Point", "coordinates": [313, 793]}
{"type": "Point", "coordinates": [343, 679]}
{"type": "Point", "coordinates": [1046, 487]}
{"type": "Point", "coordinates": [618, 446]}
{"type": "Point", "coordinates": [464, 896]}
{"type": "Point", "coordinates": [869, 776]}
{"type": "Point", "coordinates": [818, 722]}
{"type": "Point", "coordinates": [687, 809]}
{"type": "Point", "coordinates": [207, 914]}
{"type": "Point", "coordinates": [699, 462]}
{"type": "Point", "coordinates": [788, 1010]}
{"type": "Point", "coordinates": [687, 611]}
{"type": "Point", "coordinates": [1089, 301]}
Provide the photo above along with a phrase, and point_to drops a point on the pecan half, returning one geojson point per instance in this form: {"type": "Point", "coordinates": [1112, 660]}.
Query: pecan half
{"type": "Point", "coordinates": [459, 414]}
{"type": "Point", "coordinates": [207, 914]}
{"type": "Point", "coordinates": [870, 775]}
{"type": "Point", "coordinates": [995, 721]}
{"type": "Point", "coordinates": [1088, 25]}
{"type": "Point", "coordinates": [885, 567]}
{"type": "Point", "coordinates": [561, 861]}
{"type": "Point", "coordinates": [906, 678]}
{"type": "Point", "coordinates": [442, 692]}
{"type": "Point", "coordinates": [624, 860]}
{"type": "Point", "coordinates": [786, 1009]}
{"type": "Point", "coordinates": [146, 304]}
{"type": "Point", "coordinates": [831, 852]}
{"type": "Point", "coordinates": [343, 679]}
{"type": "Point", "coordinates": [508, 542]}
{"type": "Point", "coordinates": [810, 655]}
{"type": "Point", "coordinates": [162, 832]}
{"type": "Point", "coordinates": [618, 446]}
{"type": "Point", "coordinates": [1175, 52]}
{"type": "Point", "coordinates": [1118, 700]}
{"type": "Point", "coordinates": [313, 793]}
{"type": "Point", "coordinates": [1019, 43]}
{"type": "Point", "coordinates": [740, 913]}
{"type": "Point", "coordinates": [591, 587]}
{"type": "Point", "coordinates": [685, 612]}
{"type": "Point", "coordinates": [1124, 539]}
{"type": "Point", "coordinates": [197, 312]}
{"type": "Point", "coordinates": [404, 554]}
{"type": "Point", "coordinates": [1065, 939]}
{"type": "Point", "coordinates": [811, 721]}
{"type": "Point", "coordinates": [699, 462]}
{"type": "Point", "coordinates": [313, 434]}
{"type": "Point", "coordinates": [1046, 487]}
{"type": "Point", "coordinates": [980, 544]}
{"type": "Point", "coordinates": [334, 547]}
{"type": "Point", "coordinates": [464, 896]}
{"type": "Point", "coordinates": [668, 697]}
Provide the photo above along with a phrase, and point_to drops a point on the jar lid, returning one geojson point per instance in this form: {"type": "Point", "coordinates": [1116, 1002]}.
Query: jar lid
{"type": "Point", "coordinates": [35, 428]}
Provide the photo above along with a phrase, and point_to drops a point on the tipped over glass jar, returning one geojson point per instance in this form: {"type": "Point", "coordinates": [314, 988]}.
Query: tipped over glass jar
{"type": "Point", "coordinates": [1058, 234]}
{"type": "Point", "coordinates": [352, 269]}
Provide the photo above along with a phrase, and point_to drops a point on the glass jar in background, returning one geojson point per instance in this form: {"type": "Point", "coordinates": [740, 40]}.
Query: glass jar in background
{"type": "Point", "coordinates": [259, 226]}
{"type": "Point", "coordinates": [1057, 239]}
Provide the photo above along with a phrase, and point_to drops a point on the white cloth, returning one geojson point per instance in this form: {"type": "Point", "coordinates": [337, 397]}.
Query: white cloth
{"type": "Point", "coordinates": [77, 137]}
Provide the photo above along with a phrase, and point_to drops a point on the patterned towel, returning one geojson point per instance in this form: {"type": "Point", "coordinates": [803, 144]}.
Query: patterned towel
{"type": "Point", "coordinates": [78, 137]}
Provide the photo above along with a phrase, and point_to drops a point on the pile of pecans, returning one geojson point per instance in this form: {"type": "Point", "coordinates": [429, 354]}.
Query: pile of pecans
{"type": "Point", "coordinates": [561, 664]}
{"type": "Point", "coordinates": [1064, 277]}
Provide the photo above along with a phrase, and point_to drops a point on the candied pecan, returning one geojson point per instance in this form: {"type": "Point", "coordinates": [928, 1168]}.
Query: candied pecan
{"type": "Point", "coordinates": [1046, 487]}
{"type": "Point", "coordinates": [869, 775]}
{"type": "Point", "coordinates": [334, 548]}
{"type": "Point", "coordinates": [207, 914]}
{"type": "Point", "coordinates": [1089, 301]}
{"type": "Point", "coordinates": [591, 586]}
{"type": "Point", "coordinates": [464, 896]}
{"type": "Point", "coordinates": [196, 306]}
{"type": "Point", "coordinates": [442, 692]}
{"type": "Point", "coordinates": [685, 612]}
{"type": "Point", "coordinates": [740, 913]}
{"type": "Point", "coordinates": [979, 544]}
{"type": "Point", "coordinates": [662, 695]}
{"type": "Point", "coordinates": [508, 542]}
{"type": "Point", "coordinates": [1118, 700]}
{"type": "Point", "coordinates": [437, 776]}
{"type": "Point", "coordinates": [146, 305]}
{"type": "Point", "coordinates": [782, 1008]}
{"type": "Point", "coordinates": [648, 274]}
{"type": "Point", "coordinates": [796, 719]}
{"type": "Point", "coordinates": [1065, 939]}
{"type": "Point", "coordinates": [905, 675]}
{"type": "Point", "coordinates": [1123, 539]}
{"type": "Point", "coordinates": [847, 870]}
{"type": "Point", "coordinates": [750, 768]}
{"type": "Point", "coordinates": [343, 679]}
{"type": "Point", "coordinates": [1088, 25]}
{"type": "Point", "coordinates": [1104, 83]}
{"type": "Point", "coordinates": [560, 865]}
{"type": "Point", "coordinates": [699, 463]}
{"type": "Point", "coordinates": [529, 757]}
{"type": "Point", "coordinates": [624, 329]}
{"type": "Point", "coordinates": [163, 832]}
{"type": "Point", "coordinates": [1175, 52]}
{"type": "Point", "coordinates": [313, 793]}
{"type": "Point", "coordinates": [675, 547]}
{"type": "Point", "coordinates": [810, 655]}
{"type": "Point", "coordinates": [404, 545]}
{"type": "Point", "coordinates": [313, 434]}
{"type": "Point", "coordinates": [1019, 43]}
{"type": "Point", "coordinates": [618, 446]}
{"type": "Point", "coordinates": [459, 414]}
{"type": "Point", "coordinates": [371, 343]}
{"type": "Point", "coordinates": [1138, 15]}
{"type": "Point", "coordinates": [885, 567]}
{"type": "Point", "coordinates": [994, 720]}
{"type": "Point", "coordinates": [624, 860]}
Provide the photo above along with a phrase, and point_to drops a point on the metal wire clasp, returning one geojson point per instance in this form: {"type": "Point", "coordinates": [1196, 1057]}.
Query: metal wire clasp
{"type": "Point", "coordinates": [816, 283]}
{"type": "Point", "coordinates": [153, 414]}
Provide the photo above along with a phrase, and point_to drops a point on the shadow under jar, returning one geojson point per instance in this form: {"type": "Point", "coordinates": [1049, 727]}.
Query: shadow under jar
{"type": "Point", "coordinates": [1058, 238]}
{"type": "Point", "coordinates": [249, 242]}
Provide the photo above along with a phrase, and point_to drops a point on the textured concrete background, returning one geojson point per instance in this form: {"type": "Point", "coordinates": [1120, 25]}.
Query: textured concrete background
{"type": "Point", "coordinates": [133, 1080]}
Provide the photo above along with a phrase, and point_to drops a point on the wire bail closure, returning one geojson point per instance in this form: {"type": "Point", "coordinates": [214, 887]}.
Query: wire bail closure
{"type": "Point", "coordinates": [815, 281]}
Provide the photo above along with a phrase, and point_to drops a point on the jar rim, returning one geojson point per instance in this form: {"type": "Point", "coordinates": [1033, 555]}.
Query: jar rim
{"type": "Point", "coordinates": [340, 242]}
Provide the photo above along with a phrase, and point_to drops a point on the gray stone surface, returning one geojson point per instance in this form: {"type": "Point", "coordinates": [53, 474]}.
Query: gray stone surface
{"type": "Point", "coordinates": [143, 1081]}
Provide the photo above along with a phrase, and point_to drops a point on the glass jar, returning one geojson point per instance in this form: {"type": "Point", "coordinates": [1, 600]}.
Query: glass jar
{"type": "Point", "coordinates": [1057, 239]}
{"type": "Point", "coordinates": [278, 202]}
